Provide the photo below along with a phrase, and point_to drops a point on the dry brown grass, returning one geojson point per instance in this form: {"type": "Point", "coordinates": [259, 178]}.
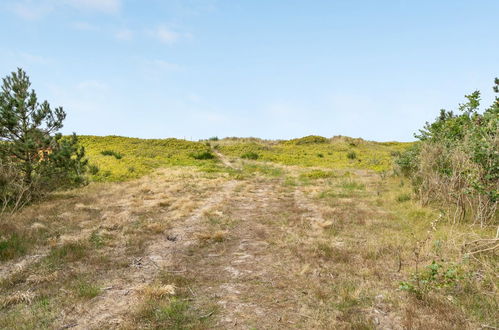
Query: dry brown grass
{"type": "Point", "coordinates": [325, 253]}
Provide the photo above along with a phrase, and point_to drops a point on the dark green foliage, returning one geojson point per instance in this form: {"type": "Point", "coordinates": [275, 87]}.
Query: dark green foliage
{"type": "Point", "coordinates": [213, 138]}
{"type": "Point", "coordinates": [203, 155]}
{"type": "Point", "coordinates": [93, 169]}
{"type": "Point", "coordinates": [435, 276]}
{"type": "Point", "coordinates": [30, 146]}
{"type": "Point", "coordinates": [250, 155]}
{"type": "Point", "coordinates": [456, 160]}
{"type": "Point", "coordinates": [116, 155]}
{"type": "Point", "coordinates": [351, 155]}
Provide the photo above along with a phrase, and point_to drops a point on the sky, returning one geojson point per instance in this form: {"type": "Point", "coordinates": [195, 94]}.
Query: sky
{"type": "Point", "coordinates": [274, 69]}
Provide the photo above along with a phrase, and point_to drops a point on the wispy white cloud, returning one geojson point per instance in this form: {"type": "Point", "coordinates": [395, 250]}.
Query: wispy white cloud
{"type": "Point", "coordinates": [32, 10]}
{"type": "Point", "coordinates": [167, 35]}
{"type": "Point", "coordinates": [105, 6]}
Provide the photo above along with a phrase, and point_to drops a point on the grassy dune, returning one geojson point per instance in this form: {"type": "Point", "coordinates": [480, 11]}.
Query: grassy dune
{"type": "Point", "coordinates": [130, 158]}
{"type": "Point", "coordinates": [194, 243]}
{"type": "Point", "coordinates": [339, 152]}
{"type": "Point", "coordinates": [137, 157]}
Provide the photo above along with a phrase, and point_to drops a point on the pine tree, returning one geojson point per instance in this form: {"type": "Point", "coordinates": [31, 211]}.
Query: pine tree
{"type": "Point", "coordinates": [29, 137]}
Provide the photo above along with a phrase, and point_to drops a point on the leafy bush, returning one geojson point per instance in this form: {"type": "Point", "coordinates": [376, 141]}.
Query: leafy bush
{"type": "Point", "coordinates": [351, 155]}
{"type": "Point", "coordinates": [435, 276]}
{"type": "Point", "coordinates": [456, 161]}
{"type": "Point", "coordinates": [203, 155]}
{"type": "Point", "coordinates": [116, 155]}
{"type": "Point", "coordinates": [311, 139]}
{"type": "Point", "coordinates": [250, 155]}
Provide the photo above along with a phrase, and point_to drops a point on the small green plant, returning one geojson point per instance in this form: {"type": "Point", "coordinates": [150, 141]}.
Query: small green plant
{"type": "Point", "coordinates": [318, 174]}
{"type": "Point", "coordinates": [71, 251]}
{"type": "Point", "coordinates": [352, 185]}
{"type": "Point", "coordinates": [116, 155]}
{"type": "Point", "coordinates": [403, 198]}
{"type": "Point", "coordinates": [12, 247]}
{"type": "Point", "coordinates": [93, 169]}
{"type": "Point", "coordinates": [435, 276]}
{"type": "Point", "coordinates": [250, 155]}
{"type": "Point", "coordinates": [96, 239]}
{"type": "Point", "coordinates": [213, 138]}
{"type": "Point", "coordinates": [351, 155]}
{"type": "Point", "coordinates": [87, 290]}
{"type": "Point", "coordinates": [203, 155]}
{"type": "Point", "coordinates": [320, 155]}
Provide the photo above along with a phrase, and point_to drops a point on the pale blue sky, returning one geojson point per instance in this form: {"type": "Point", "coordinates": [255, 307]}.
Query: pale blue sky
{"type": "Point", "coordinates": [264, 68]}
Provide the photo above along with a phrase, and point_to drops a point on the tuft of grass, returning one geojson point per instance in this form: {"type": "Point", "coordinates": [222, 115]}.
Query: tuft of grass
{"type": "Point", "coordinates": [403, 198]}
{"type": "Point", "coordinates": [318, 174]}
{"type": "Point", "coordinates": [352, 185]}
{"type": "Point", "coordinates": [12, 246]}
{"type": "Point", "coordinates": [216, 236]}
{"type": "Point", "coordinates": [263, 169]}
{"type": "Point", "coordinates": [250, 155]}
{"type": "Point", "coordinates": [86, 290]}
{"type": "Point", "coordinates": [68, 252]}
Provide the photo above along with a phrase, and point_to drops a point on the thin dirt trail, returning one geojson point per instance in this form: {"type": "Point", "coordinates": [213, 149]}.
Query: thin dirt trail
{"type": "Point", "coordinates": [253, 281]}
{"type": "Point", "coordinates": [110, 308]}
{"type": "Point", "coordinates": [121, 291]}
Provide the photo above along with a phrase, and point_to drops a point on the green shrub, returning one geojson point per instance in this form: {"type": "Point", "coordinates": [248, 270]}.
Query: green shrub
{"type": "Point", "coordinates": [93, 169]}
{"type": "Point", "coordinates": [311, 139]}
{"type": "Point", "coordinates": [116, 155]}
{"type": "Point", "coordinates": [435, 276]}
{"type": "Point", "coordinates": [203, 155]}
{"type": "Point", "coordinates": [213, 138]}
{"type": "Point", "coordinates": [87, 290]}
{"type": "Point", "coordinates": [250, 155]}
{"type": "Point", "coordinates": [351, 155]}
{"type": "Point", "coordinates": [456, 161]}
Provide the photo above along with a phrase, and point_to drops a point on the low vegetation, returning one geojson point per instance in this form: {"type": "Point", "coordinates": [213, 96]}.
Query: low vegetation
{"type": "Point", "coordinates": [307, 233]}
{"type": "Point", "coordinates": [338, 152]}
{"type": "Point", "coordinates": [456, 161]}
{"type": "Point", "coordinates": [34, 158]}
{"type": "Point", "coordinates": [116, 158]}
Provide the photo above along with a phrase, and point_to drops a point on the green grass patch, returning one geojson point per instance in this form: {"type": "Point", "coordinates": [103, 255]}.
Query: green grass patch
{"type": "Point", "coordinates": [12, 246]}
{"type": "Point", "coordinates": [138, 157]}
{"type": "Point", "coordinates": [87, 290]}
{"type": "Point", "coordinates": [305, 152]}
{"type": "Point", "coordinates": [68, 252]}
{"type": "Point", "coordinates": [318, 174]}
